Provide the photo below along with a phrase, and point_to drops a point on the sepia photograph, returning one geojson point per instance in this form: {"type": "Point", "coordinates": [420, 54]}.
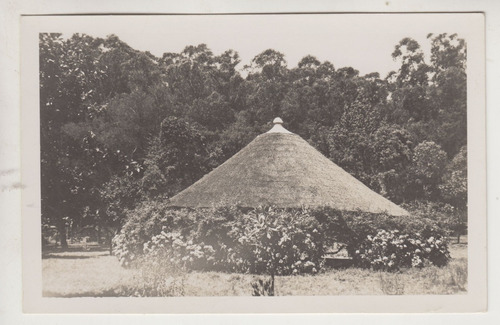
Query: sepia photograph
{"type": "Point", "coordinates": [278, 155]}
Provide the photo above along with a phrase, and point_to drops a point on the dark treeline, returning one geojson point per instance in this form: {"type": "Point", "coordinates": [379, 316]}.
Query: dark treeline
{"type": "Point", "coordinates": [121, 126]}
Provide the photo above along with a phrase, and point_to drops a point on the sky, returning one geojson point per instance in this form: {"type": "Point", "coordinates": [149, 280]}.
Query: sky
{"type": "Point", "coordinates": [362, 41]}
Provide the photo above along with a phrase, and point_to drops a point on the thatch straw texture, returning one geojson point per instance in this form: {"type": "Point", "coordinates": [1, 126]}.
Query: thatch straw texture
{"type": "Point", "coordinates": [283, 170]}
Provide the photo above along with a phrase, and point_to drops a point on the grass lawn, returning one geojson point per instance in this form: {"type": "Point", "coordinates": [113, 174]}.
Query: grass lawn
{"type": "Point", "coordinates": [83, 273]}
{"type": "Point", "coordinates": [93, 272]}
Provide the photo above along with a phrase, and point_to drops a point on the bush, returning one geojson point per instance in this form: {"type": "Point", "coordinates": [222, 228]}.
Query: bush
{"type": "Point", "coordinates": [124, 249]}
{"type": "Point", "coordinates": [264, 241]}
{"type": "Point", "coordinates": [361, 225]}
{"type": "Point", "coordinates": [172, 248]}
{"type": "Point", "coordinates": [452, 220]}
{"type": "Point", "coordinates": [278, 242]}
{"type": "Point", "coordinates": [145, 221]}
{"type": "Point", "coordinates": [390, 251]}
{"type": "Point", "coordinates": [273, 241]}
{"type": "Point", "coordinates": [268, 240]}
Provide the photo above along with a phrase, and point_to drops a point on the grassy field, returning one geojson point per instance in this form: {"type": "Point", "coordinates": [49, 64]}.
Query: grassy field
{"type": "Point", "coordinates": [93, 272]}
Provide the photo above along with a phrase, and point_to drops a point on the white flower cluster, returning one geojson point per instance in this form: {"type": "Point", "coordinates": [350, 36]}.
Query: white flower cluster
{"type": "Point", "coordinates": [391, 250]}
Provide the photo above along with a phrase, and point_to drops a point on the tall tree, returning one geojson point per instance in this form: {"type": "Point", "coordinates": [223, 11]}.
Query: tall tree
{"type": "Point", "coordinates": [70, 76]}
{"type": "Point", "coordinates": [429, 162]}
{"type": "Point", "coordinates": [448, 91]}
{"type": "Point", "coordinates": [265, 86]}
{"type": "Point", "coordinates": [175, 159]}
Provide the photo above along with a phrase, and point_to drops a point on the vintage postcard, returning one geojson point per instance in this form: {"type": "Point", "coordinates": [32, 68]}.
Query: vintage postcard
{"type": "Point", "coordinates": [254, 163]}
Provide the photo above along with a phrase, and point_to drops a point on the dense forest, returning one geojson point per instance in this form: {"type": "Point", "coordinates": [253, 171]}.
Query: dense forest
{"type": "Point", "coordinates": [119, 126]}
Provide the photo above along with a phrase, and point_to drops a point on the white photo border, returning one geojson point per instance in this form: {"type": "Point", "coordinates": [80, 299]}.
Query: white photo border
{"type": "Point", "coordinates": [11, 308]}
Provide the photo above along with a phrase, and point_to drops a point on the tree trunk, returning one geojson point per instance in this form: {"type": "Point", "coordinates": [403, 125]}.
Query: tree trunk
{"type": "Point", "coordinates": [110, 235]}
{"type": "Point", "coordinates": [458, 238]}
{"type": "Point", "coordinates": [271, 293]}
{"type": "Point", "coordinates": [98, 231]}
{"type": "Point", "coordinates": [61, 227]}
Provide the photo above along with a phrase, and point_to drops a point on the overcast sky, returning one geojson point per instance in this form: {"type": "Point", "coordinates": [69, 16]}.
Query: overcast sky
{"type": "Point", "coordinates": [364, 42]}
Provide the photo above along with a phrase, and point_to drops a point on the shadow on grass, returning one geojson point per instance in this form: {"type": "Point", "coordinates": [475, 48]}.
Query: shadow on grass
{"type": "Point", "coordinates": [75, 251]}
{"type": "Point", "coordinates": [75, 248]}
{"type": "Point", "coordinates": [67, 257]}
{"type": "Point", "coordinates": [102, 294]}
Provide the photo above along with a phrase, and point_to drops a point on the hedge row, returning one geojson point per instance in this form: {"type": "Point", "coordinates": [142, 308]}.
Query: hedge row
{"type": "Point", "coordinates": [274, 241]}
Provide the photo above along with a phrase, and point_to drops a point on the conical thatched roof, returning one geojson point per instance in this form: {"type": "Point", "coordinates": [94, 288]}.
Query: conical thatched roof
{"type": "Point", "coordinates": [281, 169]}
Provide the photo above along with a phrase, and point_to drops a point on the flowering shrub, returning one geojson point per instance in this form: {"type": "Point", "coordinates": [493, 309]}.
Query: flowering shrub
{"type": "Point", "coordinates": [173, 248]}
{"type": "Point", "coordinates": [144, 222]}
{"type": "Point", "coordinates": [391, 250]}
{"type": "Point", "coordinates": [273, 241]}
{"type": "Point", "coordinates": [360, 225]}
{"type": "Point", "coordinates": [278, 242]}
{"type": "Point", "coordinates": [270, 241]}
{"type": "Point", "coordinates": [123, 250]}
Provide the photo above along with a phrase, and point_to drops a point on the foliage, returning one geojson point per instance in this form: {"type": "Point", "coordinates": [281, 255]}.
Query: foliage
{"type": "Point", "coordinates": [274, 241]}
{"type": "Point", "coordinates": [454, 187]}
{"type": "Point", "coordinates": [142, 223]}
{"type": "Point", "coordinates": [429, 162]}
{"type": "Point", "coordinates": [392, 250]}
{"type": "Point", "coordinates": [279, 242]}
{"type": "Point", "coordinates": [361, 225]}
{"type": "Point", "coordinates": [450, 219]}
{"type": "Point", "coordinates": [174, 159]}
{"type": "Point", "coordinates": [175, 250]}
{"type": "Point", "coordinates": [262, 242]}
{"type": "Point", "coordinates": [118, 195]}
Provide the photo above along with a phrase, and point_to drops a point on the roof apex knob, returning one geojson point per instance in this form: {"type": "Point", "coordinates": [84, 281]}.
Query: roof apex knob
{"type": "Point", "coordinates": [278, 127]}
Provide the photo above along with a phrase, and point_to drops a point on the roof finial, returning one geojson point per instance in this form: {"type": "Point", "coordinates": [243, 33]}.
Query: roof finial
{"type": "Point", "coordinates": [278, 128]}
{"type": "Point", "coordinates": [278, 121]}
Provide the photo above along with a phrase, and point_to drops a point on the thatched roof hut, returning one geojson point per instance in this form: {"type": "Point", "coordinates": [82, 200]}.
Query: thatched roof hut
{"type": "Point", "coordinates": [281, 169]}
